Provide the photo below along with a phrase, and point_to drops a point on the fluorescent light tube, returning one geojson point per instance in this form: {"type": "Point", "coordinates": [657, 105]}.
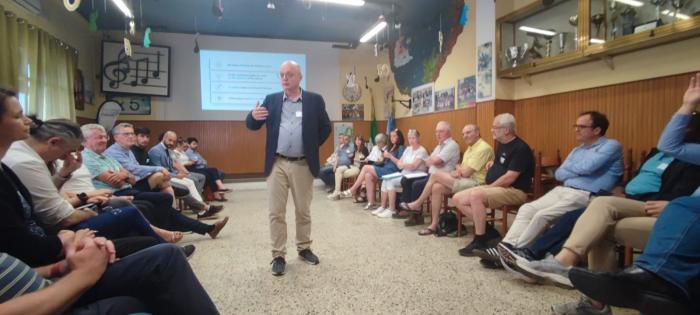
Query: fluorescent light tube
{"type": "Point", "coordinates": [679, 15]}
{"type": "Point", "coordinates": [357, 3]}
{"type": "Point", "coordinates": [375, 29]}
{"type": "Point", "coordinates": [633, 3]}
{"type": "Point", "coordinates": [123, 7]}
{"type": "Point", "coordinates": [597, 41]}
{"type": "Point", "coordinates": [537, 31]}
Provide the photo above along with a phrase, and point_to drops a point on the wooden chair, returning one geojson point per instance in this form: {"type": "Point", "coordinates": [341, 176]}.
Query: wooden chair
{"type": "Point", "coordinates": [626, 253]}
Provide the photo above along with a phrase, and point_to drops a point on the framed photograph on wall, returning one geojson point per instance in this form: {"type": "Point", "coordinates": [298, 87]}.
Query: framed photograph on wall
{"type": "Point", "coordinates": [466, 92]}
{"type": "Point", "coordinates": [146, 72]}
{"type": "Point", "coordinates": [353, 112]}
{"type": "Point", "coordinates": [423, 99]}
{"type": "Point", "coordinates": [445, 100]}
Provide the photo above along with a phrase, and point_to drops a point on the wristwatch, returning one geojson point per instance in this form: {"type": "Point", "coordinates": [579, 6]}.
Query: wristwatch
{"type": "Point", "coordinates": [83, 198]}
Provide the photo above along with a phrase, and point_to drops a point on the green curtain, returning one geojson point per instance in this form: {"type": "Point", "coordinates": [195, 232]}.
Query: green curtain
{"type": "Point", "coordinates": [39, 65]}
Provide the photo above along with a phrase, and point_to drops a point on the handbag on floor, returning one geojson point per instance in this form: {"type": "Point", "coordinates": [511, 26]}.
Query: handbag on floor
{"type": "Point", "coordinates": [447, 223]}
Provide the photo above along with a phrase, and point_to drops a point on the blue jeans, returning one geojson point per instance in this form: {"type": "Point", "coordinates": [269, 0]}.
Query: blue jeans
{"type": "Point", "coordinates": [120, 222]}
{"type": "Point", "coordinates": [673, 249]}
{"type": "Point", "coordinates": [327, 176]}
{"type": "Point", "coordinates": [552, 240]}
{"type": "Point", "coordinates": [162, 214]}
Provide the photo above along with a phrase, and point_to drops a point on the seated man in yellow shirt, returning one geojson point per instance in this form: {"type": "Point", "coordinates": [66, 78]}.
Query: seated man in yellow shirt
{"type": "Point", "coordinates": [471, 173]}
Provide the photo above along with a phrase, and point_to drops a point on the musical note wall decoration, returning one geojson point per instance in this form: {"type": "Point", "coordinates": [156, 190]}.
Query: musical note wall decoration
{"type": "Point", "coordinates": [146, 72]}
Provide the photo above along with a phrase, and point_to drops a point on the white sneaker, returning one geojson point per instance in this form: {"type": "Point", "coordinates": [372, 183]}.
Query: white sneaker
{"type": "Point", "coordinates": [387, 213]}
{"type": "Point", "coordinates": [334, 196]}
{"type": "Point", "coordinates": [370, 206]}
{"type": "Point", "coordinates": [379, 210]}
{"type": "Point", "coordinates": [345, 194]}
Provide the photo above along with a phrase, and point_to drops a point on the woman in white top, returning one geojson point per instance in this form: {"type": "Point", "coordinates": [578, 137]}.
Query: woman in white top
{"type": "Point", "coordinates": [368, 176]}
{"type": "Point", "coordinates": [412, 161]}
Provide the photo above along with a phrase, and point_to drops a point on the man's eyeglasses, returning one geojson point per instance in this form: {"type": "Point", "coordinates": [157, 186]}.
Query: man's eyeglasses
{"type": "Point", "coordinates": [287, 75]}
{"type": "Point", "coordinates": [126, 134]}
{"type": "Point", "coordinates": [579, 127]}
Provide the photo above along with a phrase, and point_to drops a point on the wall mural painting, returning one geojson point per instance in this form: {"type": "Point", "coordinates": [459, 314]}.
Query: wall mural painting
{"type": "Point", "coordinates": [416, 56]}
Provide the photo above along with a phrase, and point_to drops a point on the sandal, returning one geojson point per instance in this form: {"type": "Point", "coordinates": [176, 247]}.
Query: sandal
{"type": "Point", "coordinates": [426, 231]}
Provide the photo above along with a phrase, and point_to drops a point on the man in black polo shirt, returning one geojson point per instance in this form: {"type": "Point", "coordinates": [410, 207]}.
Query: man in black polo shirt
{"type": "Point", "coordinates": [508, 180]}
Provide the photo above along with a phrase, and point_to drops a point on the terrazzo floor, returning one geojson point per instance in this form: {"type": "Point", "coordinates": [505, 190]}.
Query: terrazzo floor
{"type": "Point", "coordinates": [368, 266]}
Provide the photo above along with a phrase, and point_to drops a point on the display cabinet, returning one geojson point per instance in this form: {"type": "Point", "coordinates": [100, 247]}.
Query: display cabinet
{"type": "Point", "coordinates": [539, 37]}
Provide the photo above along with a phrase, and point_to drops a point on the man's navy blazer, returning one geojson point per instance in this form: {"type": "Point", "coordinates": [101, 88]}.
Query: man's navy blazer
{"type": "Point", "coordinates": [315, 124]}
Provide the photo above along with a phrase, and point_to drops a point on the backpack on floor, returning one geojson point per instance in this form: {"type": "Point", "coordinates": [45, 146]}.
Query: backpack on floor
{"type": "Point", "coordinates": [447, 223]}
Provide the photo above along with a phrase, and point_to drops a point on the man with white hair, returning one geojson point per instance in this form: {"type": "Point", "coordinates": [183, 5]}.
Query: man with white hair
{"type": "Point", "coordinates": [444, 158]}
{"type": "Point", "coordinates": [297, 124]}
{"type": "Point", "coordinates": [508, 180]}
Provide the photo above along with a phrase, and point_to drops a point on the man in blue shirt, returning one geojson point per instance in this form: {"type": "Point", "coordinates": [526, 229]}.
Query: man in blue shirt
{"type": "Point", "coordinates": [592, 168]}
{"type": "Point", "coordinates": [344, 154]}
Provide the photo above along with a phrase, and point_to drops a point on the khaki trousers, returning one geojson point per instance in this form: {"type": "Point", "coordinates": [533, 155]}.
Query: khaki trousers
{"type": "Point", "coordinates": [609, 221]}
{"type": "Point", "coordinates": [344, 172]}
{"type": "Point", "coordinates": [285, 176]}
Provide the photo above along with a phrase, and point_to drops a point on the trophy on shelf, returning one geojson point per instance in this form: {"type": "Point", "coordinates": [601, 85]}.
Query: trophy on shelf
{"type": "Point", "coordinates": [628, 17]}
{"type": "Point", "coordinates": [598, 20]}
{"type": "Point", "coordinates": [563, 37]}
{"type": "Point", "coordinates": [573, 21]}
{"type": "Point", "coordinates": [659, 4]}
{"type": "Point", "coordinates": [515, 54]}
{"type": "Point", "coordinates": [536, 45]}
{"type": "Point", "coordinates": [677, 5]}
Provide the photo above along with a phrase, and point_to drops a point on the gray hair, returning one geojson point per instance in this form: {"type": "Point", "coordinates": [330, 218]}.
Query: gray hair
{"type": "Point", "coordinates": [413, 132]}
{"type": "Point", "coordinates": [88, 129]}
{"type": "Point", "coordinates": [118, 128]}
{"type": "Point", "coordinates": [506, 120]}
{"type": "Point", "coordinates": [443, 124]}
{"type": "Point", "coordinates": [62, 128]}
{"type": "Point", "coordinates": [380, 137]}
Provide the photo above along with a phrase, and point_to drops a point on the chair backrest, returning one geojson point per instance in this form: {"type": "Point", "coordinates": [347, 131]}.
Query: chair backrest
{"type": "Point", "coordinates": [629, 166]}
{"type": "Point", "coordinates": [545, 166]}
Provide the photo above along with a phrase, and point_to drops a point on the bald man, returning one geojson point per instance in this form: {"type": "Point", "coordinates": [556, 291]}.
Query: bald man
{"type": "Point", "coordinates": [471, 173]}
{"type": "Point", "coordinates": [297, 124]}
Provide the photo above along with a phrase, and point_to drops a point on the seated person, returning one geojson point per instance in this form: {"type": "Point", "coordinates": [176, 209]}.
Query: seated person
{"type": "Point", "coordinates": [383, 166]}
{"type": "Point", "coordinates": [343, 156]}
{"type": "Point", "coordinates": [102, 169]}
{"type": "Point", "coordinates": [682, 143]}
{"type": "Point", "coordinates": [412, 161]}
{"type": "Point", "coordinates": [444, 158]}
{"type": "Point", "coordinates": [184, 164]}
{"type": "Point", "coordinates": [471, 173]}
{"type": "Point", "coordinates": [91, 281]}
{"type": "Point", "coordinates": [148, 178]}
{"type": "Point", "coordinates": [508, 180]}
{"type": "Point", "coordinates": [592, 168]}
{"type": "Point", "coordinates": [660, 179]}
{"type": "Point", "coordinates": [359, 154]}
{"type": "Point", "coordinates": [51, 140]}
{"type": "Point", "coordinates": [201, 165]}
{"type": "Point", "coordinates": [140, 147]}
{"type": "Point", "coordinates": [160, 156]}
{"type": "Point", "coordinates": [21, 233]}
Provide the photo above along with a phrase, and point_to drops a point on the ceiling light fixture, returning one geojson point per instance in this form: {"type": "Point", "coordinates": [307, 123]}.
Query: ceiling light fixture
{"type": "Point", "coordinates": [123, 7]}
{"type": "Point", "coordinates": [270, 5]}
{"type": "Point", "coordinates": [537, 31]}
{"type": "Point", "coordinates": [677, 15]}
{"type": "Point", "coordinates": [597, 41]}
{"type": "Point", "coordinates": [376, 28]}
{"type": "Point", "coordinates": [633, 3]}
{"type": "Point", "coordinates": [357, 3]}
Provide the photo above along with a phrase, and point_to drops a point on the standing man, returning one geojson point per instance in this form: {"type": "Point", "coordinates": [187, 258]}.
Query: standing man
{"type": "Point", "coordinates": [297, 124]}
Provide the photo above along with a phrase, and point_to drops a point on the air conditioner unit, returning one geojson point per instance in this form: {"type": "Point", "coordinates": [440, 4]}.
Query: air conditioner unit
{"type": "Point", "coordinates": [33, 6]}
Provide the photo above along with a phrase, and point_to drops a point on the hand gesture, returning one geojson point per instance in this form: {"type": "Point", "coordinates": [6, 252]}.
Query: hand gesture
{"type": "Point", "coordinates": [387, 155]}
{"type": "Point", "coordinates": [259, 112]}
{"type": "Point", "coordinates": [89, 259]}
{"type": "Point", "coordinates": [691, 98]}
{"type": "Point", "coordinates": [71, 162]}
{"type": "Point", "coordinates": [654, 208]}
{"type": "Point", "coordinates": [98, 200]}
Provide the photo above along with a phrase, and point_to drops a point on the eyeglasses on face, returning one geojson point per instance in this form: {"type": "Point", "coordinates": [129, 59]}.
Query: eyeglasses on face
{"type": "Point", "coordinates": [579, 127]}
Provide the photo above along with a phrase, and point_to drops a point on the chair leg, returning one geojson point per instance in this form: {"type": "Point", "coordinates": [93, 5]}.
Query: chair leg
{"type": "Point", "coordinates": [628, 256]}
{"type": "Point", "coordinates": [504, 227]}
{"type": "Point", "coordinates": [459, 223]}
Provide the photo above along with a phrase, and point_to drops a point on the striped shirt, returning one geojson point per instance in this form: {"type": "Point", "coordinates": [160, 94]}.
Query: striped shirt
{"type": "Point", "coordinates": [16, 278]}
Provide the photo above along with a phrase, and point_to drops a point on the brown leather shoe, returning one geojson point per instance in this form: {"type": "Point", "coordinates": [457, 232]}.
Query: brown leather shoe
{"type": "Point", "coordinates": [216, 209]}
{"type": "Point", "coordinates": [218, 226]}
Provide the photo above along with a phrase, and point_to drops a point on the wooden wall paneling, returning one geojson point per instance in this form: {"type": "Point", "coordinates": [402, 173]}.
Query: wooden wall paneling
{"type": "Point", "coordinates": [638, 112]}
{"type": "Point", "coordinates": [425, 124]}
{"type": "Point", "coordinates": [484, 119]}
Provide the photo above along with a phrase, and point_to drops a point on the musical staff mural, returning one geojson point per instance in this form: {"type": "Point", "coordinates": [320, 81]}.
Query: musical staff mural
{"type": "Point", "coordinates": [146, 72]}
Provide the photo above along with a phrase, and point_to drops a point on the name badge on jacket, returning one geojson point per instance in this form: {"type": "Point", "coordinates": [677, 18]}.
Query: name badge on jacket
{"type": "Point", "coordinates": [298, 114]}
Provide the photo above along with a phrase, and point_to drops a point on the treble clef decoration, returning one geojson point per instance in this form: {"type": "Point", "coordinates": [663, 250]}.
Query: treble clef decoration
{"type": "Point", "coordinates": [117, 71]}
